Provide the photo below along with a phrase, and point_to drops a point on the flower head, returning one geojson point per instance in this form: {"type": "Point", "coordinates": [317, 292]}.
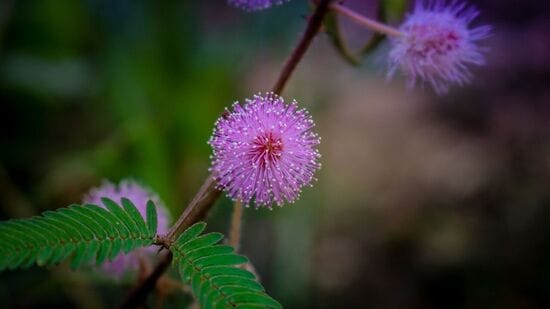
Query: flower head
{"type": "Point", "coordinates": [254, 5]}
{"type": "Point", "coordinates": [139, 196]}
{"type": "Point", "coordinates": [264, 151]}
{"type": "Point", "coordinates": [437, 44]}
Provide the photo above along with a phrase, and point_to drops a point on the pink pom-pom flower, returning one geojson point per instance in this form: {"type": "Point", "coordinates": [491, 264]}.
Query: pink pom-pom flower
{"type": "Point", "coordinates": [264, 151]}
{"type": "Point", "coordinates": [437, 45]}
{"type": "Point", "coordinates": [139, 196]}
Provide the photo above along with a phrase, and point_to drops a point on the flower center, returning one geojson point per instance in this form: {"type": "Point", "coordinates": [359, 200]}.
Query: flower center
{"type": "Point", "coordinates": [435, 40]}
{"type": "Point", "coordinates": [267, 148]}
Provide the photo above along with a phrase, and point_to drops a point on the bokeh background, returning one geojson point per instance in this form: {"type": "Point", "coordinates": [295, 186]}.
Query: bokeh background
{"type": "Point", "coordinates": [422, 201]}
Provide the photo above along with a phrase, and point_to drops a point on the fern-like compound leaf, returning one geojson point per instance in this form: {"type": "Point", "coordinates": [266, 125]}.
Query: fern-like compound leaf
{"type": "Point", "coordinates": [213, 271]}
{"type": "Point", "coordinates": [151, 218]}
{"type": "Point", "coordinates": [84, 233]}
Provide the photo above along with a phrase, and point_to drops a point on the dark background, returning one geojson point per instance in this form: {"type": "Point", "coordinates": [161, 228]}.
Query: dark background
{"type": "Point", "coordinates": [422, 201]}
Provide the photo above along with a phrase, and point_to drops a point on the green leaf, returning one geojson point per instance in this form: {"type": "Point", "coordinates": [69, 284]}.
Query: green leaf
{"type": "Point", "coordinates": [82, 229]}
{"type": "Point", "coordinates": [202, 241]}
{"type": "Point", "coordinates": [210, 250]}
{"type": "Point", "coordinates": [222, 259]}
{"type": "Point", "coordinates": [91, 251]}
{"type": "Point", "coordinates": [44, 256]}
{"type": "Point", "coordinates": [127, 245]}
{"type": "Point", "coordinates": [237, 281]}
{"type": "Point", "coordinates": [116, 248]}
{"type": "Point", "coordinates": [191, 233]}
{"type": "Point", "coordinates": [210, 269]}
{"type": "Point", "coordinates": [83, 233]}
{"type": "Point", "coordinates": [55, 257]}
{"type": "Point", "coordinates": [254, 298]}
{"type": "Point", "coordinates": [249, 306]}
{"type": "Point", "coordinates": [136, 217]}
{"type": "Point", "coordinates": [96, 212]}
{"type": "Point", "coordinates": [78, 255]}
{"type": "Point", "coordinates": [115, 222]}
{"type": "Point", "coordinates": [76, 212]}
{"type": "Point", "coordinates": [230, 271]}
{"type": "Point", "coordinates": [121, 215]}
{"type": "Point", "coordinates": [103, 252]}
{"type": "Point", "coordinates": [151, 218]}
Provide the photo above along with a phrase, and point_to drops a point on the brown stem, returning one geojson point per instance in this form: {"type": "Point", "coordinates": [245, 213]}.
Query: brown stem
{"type": "Point", "coordinates": [313, 26]}
{"type": "Point", "coordinates": [197, 209]}
{"type": "Point", "coordinates": [138, 295]}
{"type": "Point", "coordinates": [208, 194]}
{"type": "Point", "coordinates": [236, 225]}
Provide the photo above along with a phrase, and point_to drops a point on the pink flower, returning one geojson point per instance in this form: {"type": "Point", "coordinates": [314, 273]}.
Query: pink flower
{"type": "Point", "coordinates": [437, 45]}
{"type": "Point", "coordinates": [264, 151]}
{"type": "Point", "coordinates": [139, 196]}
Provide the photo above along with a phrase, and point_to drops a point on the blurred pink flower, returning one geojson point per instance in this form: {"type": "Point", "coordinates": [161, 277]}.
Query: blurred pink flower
{"type": "Point", "coordinates": [139, 196]}
{"type": "Point", "coordinates": [437, 45]}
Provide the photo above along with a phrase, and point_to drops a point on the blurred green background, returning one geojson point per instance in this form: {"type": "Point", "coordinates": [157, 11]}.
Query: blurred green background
{"type": "Point", "coordinates": [422, 201]}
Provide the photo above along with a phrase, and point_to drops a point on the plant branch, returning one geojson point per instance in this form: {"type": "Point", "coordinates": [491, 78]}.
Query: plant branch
{"type": "Point", "coordinates": [208, 194]}
{"type": "Point", "coordinates": [138, 295]}
{"type": "Point", "coordinates": [197, 209]}
{"type": "Point", "coordinates": [236, 225]}
{"type": "Point", "coordinates": [313, 26]}
{"type": "Point", "coordinates": [364, 21]}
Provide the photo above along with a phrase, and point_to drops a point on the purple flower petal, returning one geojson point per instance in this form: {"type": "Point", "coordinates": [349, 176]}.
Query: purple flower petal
{"type": "Point", "coordinates": [265, 151]}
